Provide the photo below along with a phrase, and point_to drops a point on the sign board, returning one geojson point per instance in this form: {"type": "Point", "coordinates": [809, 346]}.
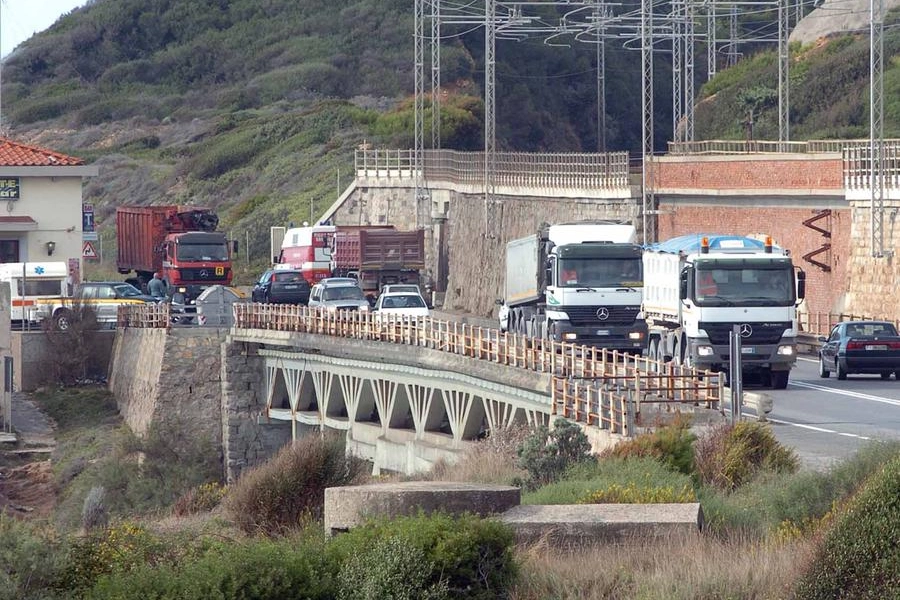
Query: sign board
{"type": "Point", "coordinates": [88, 250]}
{"type": "Point", "coordinates": [90, 235]}
{"type": "Point", "coordinates": [9, 188]}
{"type": "Point", "coordinates": [87, 208]}
{"type": "Point", "coordinates": [87, 221]}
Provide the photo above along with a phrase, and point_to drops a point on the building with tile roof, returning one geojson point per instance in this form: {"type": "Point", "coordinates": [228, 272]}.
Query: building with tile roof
{"type": "Point", "coordinates": [40, 190]}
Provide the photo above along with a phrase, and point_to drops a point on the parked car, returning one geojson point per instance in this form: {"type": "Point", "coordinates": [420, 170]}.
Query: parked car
{"type": "Point", "coordinates": [281, 286]}
{"type": "Point", "coordinates": [401, 303]}
{"type": "Point", "coordinates": [860, 347]}
{"type": "Point", "coordinates": [338, 293]}
{"type": "Point", "coordinates": [401, 287]}
{"type": "Point", "coordinates": [103, 297]}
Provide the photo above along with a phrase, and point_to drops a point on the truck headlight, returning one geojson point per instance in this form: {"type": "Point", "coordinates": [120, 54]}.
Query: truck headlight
{"type": "Point", "coordinates": [785, 350]}
{"type": "Point", "coordinates": [704, 350]}
{"type": "Point", "coordinates": [635, 335]}
{"type": "Point", "coordinates": [571, 335]}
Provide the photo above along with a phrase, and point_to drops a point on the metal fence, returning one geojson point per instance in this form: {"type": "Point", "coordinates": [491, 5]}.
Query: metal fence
{"type": "Point", "coordinates": [820, 324]}
{"type": "Point", "coordinates": [567, 171]}
{"type": "Point", "coordinates": [591, 385]}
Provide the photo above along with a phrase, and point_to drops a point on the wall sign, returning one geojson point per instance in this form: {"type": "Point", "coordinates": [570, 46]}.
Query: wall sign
{"type": "Point", "coordinates": [9, 188]}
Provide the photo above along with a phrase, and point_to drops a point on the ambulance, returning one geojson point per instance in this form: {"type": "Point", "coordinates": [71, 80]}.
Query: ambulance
{"type": "Point", "coordinates": [31, 285]}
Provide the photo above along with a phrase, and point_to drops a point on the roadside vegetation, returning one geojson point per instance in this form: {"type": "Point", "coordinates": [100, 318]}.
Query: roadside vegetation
{"type": "Point", "coordinates": [166, 525]}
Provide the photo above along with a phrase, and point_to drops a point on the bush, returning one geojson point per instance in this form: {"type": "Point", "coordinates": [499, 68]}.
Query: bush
{"type": "Point", "coordinates": [632, 494]}
{"type": "Point", "coordinates": [727, 457]}
{"type": "Point", "coordinates": [31, 560]}
{"type": "Point", "coordinates": [491, 460]}
{"type": "Point", "coordinates": [546, 454]}
{"type": "Point", "coordinates": [277, 496]}
{"type": "Point", "coordinates": [199, 499]}
{"type": "Point", "coordinates": [472, 556]}
{"type": "Point", "coordinates": [392, 568]}
{"type": "Point", "coordinates": [93, 512]}
{"type": "Point", "coordinates": [859, 557]}
{"type": "Point", "coordinates": [671, 445]}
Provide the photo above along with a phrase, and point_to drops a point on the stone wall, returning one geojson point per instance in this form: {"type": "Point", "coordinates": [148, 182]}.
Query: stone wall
{"type": "Point", "coordinates": [248, 438]}
{"type": "Point", "coordinates": [32, 353]}
{"type": "Point", "coordinates": [874, 282]}
{"type": "Point", "coordinates": [174, 377]}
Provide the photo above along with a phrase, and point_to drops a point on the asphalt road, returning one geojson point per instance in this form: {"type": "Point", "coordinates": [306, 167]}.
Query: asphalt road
{"type": "Point", "coordinates": [826, 420]}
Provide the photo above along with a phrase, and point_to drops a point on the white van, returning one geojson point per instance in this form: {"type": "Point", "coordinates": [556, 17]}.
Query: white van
{"type": "Point", "coordinates": [30, 284]}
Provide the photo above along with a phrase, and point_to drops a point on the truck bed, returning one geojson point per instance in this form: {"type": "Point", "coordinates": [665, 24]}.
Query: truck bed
{"type": "Point", "coordinates": [378, 250]}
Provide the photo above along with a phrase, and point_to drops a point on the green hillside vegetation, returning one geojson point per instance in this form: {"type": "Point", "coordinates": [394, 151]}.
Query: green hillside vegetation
{"type": "Point", "coordinates": [255, 108]}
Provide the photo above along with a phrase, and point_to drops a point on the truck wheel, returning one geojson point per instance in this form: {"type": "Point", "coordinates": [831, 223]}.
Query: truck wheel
{"type": "Point", "coordinates": [652, 354]}
{"type": "Point", "coordinates": [62, 320]}
{"type": "Point", "coordinates": [841, 369]}
{"type": "Point", "coordinates": [780, 379]}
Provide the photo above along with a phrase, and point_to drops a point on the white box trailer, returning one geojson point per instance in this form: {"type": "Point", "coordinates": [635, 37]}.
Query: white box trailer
{"type": "Point", "coordinates": [32, 283]}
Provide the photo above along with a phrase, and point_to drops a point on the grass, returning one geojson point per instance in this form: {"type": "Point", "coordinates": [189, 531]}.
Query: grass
{"type": "Point", "coordinates": [74, 408]}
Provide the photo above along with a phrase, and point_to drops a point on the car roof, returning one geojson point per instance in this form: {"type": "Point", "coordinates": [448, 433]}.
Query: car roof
{"type": "Point", "coordinates": [338, 281]}
{"type": "Point", "coordinates": [400, 293]}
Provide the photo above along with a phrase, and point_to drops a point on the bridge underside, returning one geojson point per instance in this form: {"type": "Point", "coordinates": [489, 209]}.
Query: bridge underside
{"type": "Point", "coordinates": [401, 417]}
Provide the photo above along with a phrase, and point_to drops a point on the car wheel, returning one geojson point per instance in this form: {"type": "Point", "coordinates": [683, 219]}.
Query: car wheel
{"type": "Point", "coordinates": [886, 375]}
{"type": "Point", "coordinates": [780, 379]}
{"type": "Point", "coordinates": [823, 370]}
{"type": "Point", "coordinates": [62, 320]}
{"type": "Point", "coordinates": [840, 369]}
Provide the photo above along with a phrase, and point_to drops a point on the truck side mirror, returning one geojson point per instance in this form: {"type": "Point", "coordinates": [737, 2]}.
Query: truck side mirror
{"type": "Point", "coordinates": [683, 284]}
{"type": "Point", "coordinates": [801, 284]}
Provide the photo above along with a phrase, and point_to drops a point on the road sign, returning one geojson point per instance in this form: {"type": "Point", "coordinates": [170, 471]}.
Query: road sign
{"type": "Point", "coordinates": [87, 208]}
{"type": "Point", "coordinates": [88, 250]}
{"type": "Point", "coordinates": [92, 236]}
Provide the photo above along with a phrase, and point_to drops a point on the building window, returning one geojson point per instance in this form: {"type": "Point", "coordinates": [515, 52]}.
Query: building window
{"type": "Point", "coordinates": [9, 251]}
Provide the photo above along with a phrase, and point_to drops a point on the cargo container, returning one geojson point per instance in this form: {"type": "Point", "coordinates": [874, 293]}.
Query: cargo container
{"type": "Point", "coordinates": [576, 282]}
{"type": "Point", "coordinates": [181, 242]}
{"type": "Point", "coordinates": [378, 256]}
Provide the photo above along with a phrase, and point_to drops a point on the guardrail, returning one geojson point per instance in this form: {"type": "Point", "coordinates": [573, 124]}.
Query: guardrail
{"type": "Point", "coordinates": [597, 171]}
{"type": "Point", "coordinates": [771, 146]}
{"type": "Point", "coordinates": [590, 385]}
{"type": "Point", "coordinates": [145, 316]}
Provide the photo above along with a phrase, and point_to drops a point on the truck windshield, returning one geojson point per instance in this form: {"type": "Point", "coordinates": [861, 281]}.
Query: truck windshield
{"type": "Point", "coordinates": [744, 287]}
{"type": "Point", "coordinates": [197, 252]}
{"type": "Point", "coordinates": [600, 272]}
{"type": "Point", "coordinates": [39, 287]}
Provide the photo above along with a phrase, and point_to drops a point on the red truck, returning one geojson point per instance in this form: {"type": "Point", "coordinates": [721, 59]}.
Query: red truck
{"type": "Point", "coordinates": [181, 242]}
{"type": "Point", "coordinates": [378, 257]}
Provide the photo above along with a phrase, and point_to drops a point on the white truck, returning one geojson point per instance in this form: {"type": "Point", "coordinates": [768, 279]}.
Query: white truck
{"type": "Point", "coordinates": [30, 285]}
{"type": "Point", "coordinates": [698, 287]}
{"type": "Point", "coordinates": [576, 282]}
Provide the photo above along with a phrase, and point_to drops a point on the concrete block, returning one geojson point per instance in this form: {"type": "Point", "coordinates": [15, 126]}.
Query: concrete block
{"type": "Point", "coordinates": [350, 506]}
{"type": "Point", "coordinates": [574, 525]}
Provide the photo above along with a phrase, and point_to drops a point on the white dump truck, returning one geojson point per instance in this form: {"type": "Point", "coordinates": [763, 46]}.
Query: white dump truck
{"type": "Point", "coordinates": [697, 288]}
{"type": "Point", "coordinates": [576, 282]}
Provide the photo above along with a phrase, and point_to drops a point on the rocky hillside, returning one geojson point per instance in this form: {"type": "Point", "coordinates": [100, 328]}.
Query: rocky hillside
{"type": "Point", "coordinates": [256, 107]}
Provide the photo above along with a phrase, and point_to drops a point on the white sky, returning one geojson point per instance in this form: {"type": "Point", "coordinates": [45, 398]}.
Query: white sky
{"type": "Point", "coordinates": [21, 19]}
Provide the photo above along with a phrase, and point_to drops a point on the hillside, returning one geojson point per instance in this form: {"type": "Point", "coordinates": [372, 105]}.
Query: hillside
{"type": "Point", "coordinates": [256, 107]}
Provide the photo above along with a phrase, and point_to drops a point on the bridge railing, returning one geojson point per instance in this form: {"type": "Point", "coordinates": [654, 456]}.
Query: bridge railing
{"type": "Point", "coordinates": [512, 169]}
{"type": "Point", "coordinates": [857, 165]}
{"type": "Point", "coordinates": [816, 324]}
{"type": "Point", "coordinates": [144, 316]}
{"type": "Point", "coordinates": [591, 385]}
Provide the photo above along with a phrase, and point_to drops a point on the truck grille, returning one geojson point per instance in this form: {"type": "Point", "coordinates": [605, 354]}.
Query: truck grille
{"type": "Point", "coordinates": [761, 333]}
{"type": "Point", "coordinates": [204, 274]}
{"type": "Point", "coordinates": [586, 315]}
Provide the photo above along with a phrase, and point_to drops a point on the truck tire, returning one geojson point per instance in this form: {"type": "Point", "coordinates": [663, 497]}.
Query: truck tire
{"type": "Point", "coordinates": [653, 354]}
{"type": "Point", "coordinates": [780, 379]}
{"type": "Point", "coordinates": [62, 319]}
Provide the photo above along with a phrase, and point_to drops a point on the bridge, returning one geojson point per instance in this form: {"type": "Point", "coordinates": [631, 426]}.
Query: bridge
{"type": "Point", "coordinates": [407, 393]}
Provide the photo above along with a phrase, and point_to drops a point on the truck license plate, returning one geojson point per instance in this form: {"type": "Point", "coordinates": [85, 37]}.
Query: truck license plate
{"type": "Point", "coordinates": [748, 350]}
{"type": "Point", "coordinates": [603, 332]}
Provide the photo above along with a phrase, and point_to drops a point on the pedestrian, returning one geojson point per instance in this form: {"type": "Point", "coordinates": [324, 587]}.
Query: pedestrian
{"type": "Point", "coordinates": [157, 286]}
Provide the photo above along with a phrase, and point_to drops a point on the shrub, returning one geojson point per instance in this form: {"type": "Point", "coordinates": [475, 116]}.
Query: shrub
{"type": "Point", "coordinates": [728, 456]}
{"type": "Point", "coordinates": [275, 497]}
{"type": "Point", "coordinates": [632, 494]}
{"type": "Point", "coordinates": [546, 454]}
{"type": "Point", "coordinates": [392, 568]}
{"type": "Point", "coordinates": [859, 557]}
{"type": "Point", "coordinates": [31, 560]}
{"type": "Point", "coordinates": [491, 460]}
{"type": "Point", "coordinates": [671, 445]}
{"type": "Point", "coordinates": [93, 512]}
{"type": "Point", "coordinates": [199, 499]}
{"type": "Point", "coordinates": [473, 556]}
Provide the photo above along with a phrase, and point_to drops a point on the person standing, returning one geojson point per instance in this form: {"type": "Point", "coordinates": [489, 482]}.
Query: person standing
{"type": "Point", "coordinates": [157, 287]}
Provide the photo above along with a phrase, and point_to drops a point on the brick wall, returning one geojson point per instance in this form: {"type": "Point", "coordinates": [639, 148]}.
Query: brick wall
{"type": "Point", "coordinates": [825, 291]}
{"type": "Point", "coordinates": [802, 172]}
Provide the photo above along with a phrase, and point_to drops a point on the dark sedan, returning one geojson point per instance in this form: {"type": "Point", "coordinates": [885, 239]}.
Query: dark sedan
{"type": "Point", "coordinates": [860, 347]}
{"type": "Point", "coordinates": [281, 286]}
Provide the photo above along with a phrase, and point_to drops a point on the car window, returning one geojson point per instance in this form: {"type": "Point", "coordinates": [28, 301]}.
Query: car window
{"type": "Point", "coordinates": [835, 334]}
{"type": "Point", "coordinates": [265, 277]}
{"type": "Point", "coordinates": [125, 291]}
{"type": "Point", "coordinates": [344, 292]}
{"type": "Point", "coordinates": [87, 291]}
{"type": "Point", "coordinates": [288, 277]}
{"type": "Point", "coordinates": [314, 295]}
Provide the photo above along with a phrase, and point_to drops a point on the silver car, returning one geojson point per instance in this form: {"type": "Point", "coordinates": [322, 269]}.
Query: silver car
{"type": "Point", "coordinates": [338, 294]}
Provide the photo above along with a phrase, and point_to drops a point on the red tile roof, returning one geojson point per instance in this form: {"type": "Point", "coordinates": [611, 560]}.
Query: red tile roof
{"type": "Point", "coordinates": [14, 154]}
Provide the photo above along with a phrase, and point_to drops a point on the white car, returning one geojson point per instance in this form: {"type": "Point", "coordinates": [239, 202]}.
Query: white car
{"type": "Point", "coordinates": [401, 303]}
